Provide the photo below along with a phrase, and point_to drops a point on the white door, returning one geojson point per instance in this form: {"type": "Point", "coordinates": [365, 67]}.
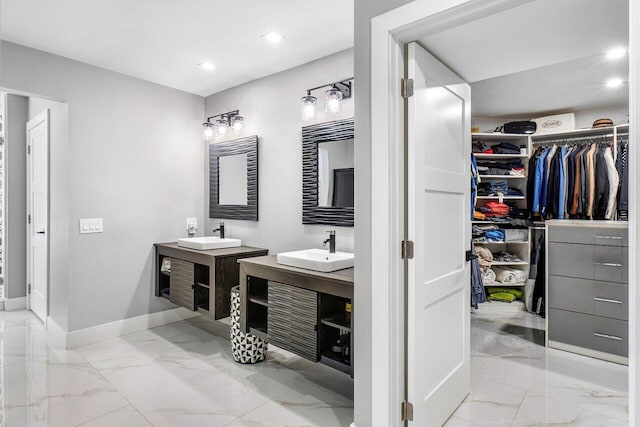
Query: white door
{"type": "Point", "coordinates": [438, 204]}
{"type": "Point", "coordinates": [38, 212]}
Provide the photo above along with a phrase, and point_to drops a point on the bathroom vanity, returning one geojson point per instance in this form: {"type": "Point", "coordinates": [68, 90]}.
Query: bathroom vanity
{"type": "Point", "coordinates": [302, 311]}
{"type": "Point", "coordinates": [200, 280]}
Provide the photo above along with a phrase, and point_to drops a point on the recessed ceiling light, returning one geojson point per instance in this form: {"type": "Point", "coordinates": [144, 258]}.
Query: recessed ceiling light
{"type": "Point", "coordinates": [617, 53]}
{"type": "Point", "coordinates": [272, 37]}
{"type": "Point", "coordinates": [611, 83]}
{"type": "Point", "coordinates": [209, 66]}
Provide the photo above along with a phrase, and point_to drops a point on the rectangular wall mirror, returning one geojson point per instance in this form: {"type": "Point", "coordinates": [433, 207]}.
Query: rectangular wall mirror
{"type": "Point", "coordinates": [233, 179]}
{"type": "Point", "coordinates": [328, 173]}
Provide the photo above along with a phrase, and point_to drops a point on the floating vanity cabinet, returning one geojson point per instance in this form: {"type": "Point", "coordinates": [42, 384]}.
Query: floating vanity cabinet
{"type": "Point", "coordinates": [200, 280]}
{"type": "Point", "coordinates": [301, 311]}
{"type": "Point", "coordinates": [587, 288]}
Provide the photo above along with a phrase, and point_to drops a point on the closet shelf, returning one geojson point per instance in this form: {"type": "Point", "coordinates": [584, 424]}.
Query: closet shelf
{"type": "Point", "coordinates": [500, 156]}
{"type": "Point", "coordinates": [502, 176]}
{"type": "Point", "coordinates": [503, 197]}
{"type": "Point", "coordinates": [578, 132]}
{"type": "Point", "coordinates": [498, 263]}
{"type": "Point", "coordinates": [500, 243]}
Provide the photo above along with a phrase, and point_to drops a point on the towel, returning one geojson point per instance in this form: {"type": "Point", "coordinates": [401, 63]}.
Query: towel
{"type": "Point", "coordinates": [485, 257]}
{"type": "Point", "coordinates": [488, 277]}
{"type": "Point", "coordinates": [501, 296]}
{"type": "Point", "coordinates": [515, 292]}
{"type": "Point", "coordinates": [509, 275]}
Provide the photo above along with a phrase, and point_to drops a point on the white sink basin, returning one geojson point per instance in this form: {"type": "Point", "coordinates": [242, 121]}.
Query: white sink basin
{"type": "Point", "coordinates": [209, 242]}
{"type": "Point", "coordinates": [316, 259]}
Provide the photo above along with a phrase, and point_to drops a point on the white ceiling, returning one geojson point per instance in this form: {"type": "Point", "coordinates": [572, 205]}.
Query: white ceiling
{"type": "Point", "coordinates": [163, 40]}
{"type": "Point", "coordinates": [543, 56]}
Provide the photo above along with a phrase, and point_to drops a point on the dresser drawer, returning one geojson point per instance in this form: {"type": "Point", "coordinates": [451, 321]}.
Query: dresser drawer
{"type": "Point", "coordinates": [587, 331]}
{"type": "Point", "coordinates": [604, 263]}
{"type": "Point", "coordinates": [606, 299]}
{"type": "Point", "coordinates": [602, 236]}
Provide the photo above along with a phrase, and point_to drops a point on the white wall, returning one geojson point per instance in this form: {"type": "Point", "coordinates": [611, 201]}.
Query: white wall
{"type": "Point", "coordinates": [133, 157]}
{"type": "Point", "coordinates": [16, 196]}
{"type": "Point", "coordinates": [271, 108]}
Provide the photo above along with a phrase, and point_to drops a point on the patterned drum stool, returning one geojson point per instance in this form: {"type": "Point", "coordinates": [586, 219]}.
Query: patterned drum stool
{"type": "Point", "coordinates": [246, 348]}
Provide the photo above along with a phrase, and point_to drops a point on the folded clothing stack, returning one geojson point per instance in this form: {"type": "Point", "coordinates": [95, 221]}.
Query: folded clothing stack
{"type": "Point", "coordinates": [497, 189]}
{"type": "Point", "coordinates": [510, 276]}
{"type": "Point", "coordinates": [504, 294]}
{"type": "Point", "coordinates": [503, 256]}
{"type": "Point", "coordinates": [481, 148]}
{"type": "Point", "coordinates": [494, 209]}
{"type": "Point", "coordinates": [487, 233]}
{"type": "Point", "coordinates": [485, 257]}
{"type": "Point", "coordinates": [501, 168]}
{"type": "Point", "coordinates": [505, 148]}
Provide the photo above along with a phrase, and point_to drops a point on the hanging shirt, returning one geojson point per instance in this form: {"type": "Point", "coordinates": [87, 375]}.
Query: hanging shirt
{"type": "Point", "coordinates": [614, 182]}
{"type": "Point", "coordinates": [591, 176]}
{"type": "Point", "coordinates": [545, 181]}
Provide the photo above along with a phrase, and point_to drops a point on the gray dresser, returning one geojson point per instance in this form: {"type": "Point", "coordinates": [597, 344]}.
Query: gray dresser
{"type": "Point", "coordinates": [587, 288]}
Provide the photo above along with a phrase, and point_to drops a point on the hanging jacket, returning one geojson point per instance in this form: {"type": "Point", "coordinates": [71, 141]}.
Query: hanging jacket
{"type": "Point", "coordinates": [591, 188]}
{"type": "Point", "coordinates": [539, 179]}
{"type": "Point", "coordinates": [477, 288]}
{"type": "Point", "coordinates": [601, 198]}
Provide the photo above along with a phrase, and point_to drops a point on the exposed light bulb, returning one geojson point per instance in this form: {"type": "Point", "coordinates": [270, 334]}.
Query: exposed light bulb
{"type": "Point", "coordinates": [617, 53]}
{"type": "Point", "coordinates": [613, 83]}
{"type": "Point", "coordinates": [238, 121]}
{"type": "Point", "coordinates": [308, 107]}
{"type": "Point", "coordinates": [221, 127]}
{"type": "Point", "coordinates": [208, 132]}
{"type": "Point", "coordinates": [334, 101]}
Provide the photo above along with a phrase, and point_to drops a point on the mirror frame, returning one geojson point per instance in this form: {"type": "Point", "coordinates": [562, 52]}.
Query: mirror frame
{"type": "Point", "coordinates": [338, 130]}
{"type": "Point", "coordinates": [248, 146]}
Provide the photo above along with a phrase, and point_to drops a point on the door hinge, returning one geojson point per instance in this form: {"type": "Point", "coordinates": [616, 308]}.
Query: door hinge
{"type": "Point", "coordinates": [29, 288]}
{"type": "Point", "coordinates": [468, 256]}
{"type": "Point", "coordinates": [407, 411]}
{"type": "Point", "coordinates": [29, 219]}
{"type": "Point", "coordinates": [407, 88]}
{"type": "Point", "coordinates": [28, 149]}
{"type": "Point", "coordinates": [407, 249]}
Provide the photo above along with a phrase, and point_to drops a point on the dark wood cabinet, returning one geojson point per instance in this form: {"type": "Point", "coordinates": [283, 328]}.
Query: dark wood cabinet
{"type": "Point", "coordinates": [200, 280]}
{"type": "Point", "coordinates": [302, 311]}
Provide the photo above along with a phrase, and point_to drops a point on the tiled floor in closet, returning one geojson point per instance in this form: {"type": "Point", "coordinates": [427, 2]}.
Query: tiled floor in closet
{"type": "Point", "coordinates": [182, 374]}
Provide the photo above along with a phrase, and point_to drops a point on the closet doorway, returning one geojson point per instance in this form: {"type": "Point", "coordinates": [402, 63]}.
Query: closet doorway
{"type": "Point", "coordinates": [426, 21]}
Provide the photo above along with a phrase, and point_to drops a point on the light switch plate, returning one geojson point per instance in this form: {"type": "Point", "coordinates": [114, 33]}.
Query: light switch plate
{"type": "Point", "coordinates": [192, 225]}
{"type": "Point", "coordinates": [91, 225]}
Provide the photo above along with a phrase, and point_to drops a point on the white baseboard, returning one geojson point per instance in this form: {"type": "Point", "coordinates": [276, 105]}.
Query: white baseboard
{"type": "Point", "coordinates": [15, 304]}
{"type": "Point", "coordinates": [116, 329]}
{"type": "Point", "coordinates": [56, 335]}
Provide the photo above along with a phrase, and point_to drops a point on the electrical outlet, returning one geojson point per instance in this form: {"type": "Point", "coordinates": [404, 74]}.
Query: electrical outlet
{"type": "Point", "coordinates": [192, 225]}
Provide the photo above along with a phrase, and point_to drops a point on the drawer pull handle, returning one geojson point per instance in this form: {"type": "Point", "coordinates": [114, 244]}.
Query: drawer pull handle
{"type": "Point", "coordinates": [609, 337]}
{"type": "Point", "coordinates": [610, 237]}
{"type": "Point", "coordinates": [612, 301]}
{"type": "Point", "coordinates": [608, 264]}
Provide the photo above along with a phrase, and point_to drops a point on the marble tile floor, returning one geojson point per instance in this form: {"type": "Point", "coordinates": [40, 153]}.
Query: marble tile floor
{"type": "Point", "coordinates": [183, 374]}
{"type": "Point", "coordinates": [516, 381]}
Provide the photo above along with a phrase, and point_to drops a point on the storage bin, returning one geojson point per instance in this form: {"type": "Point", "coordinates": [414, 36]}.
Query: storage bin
{"type": "Point", "coordinates": [245, 348]}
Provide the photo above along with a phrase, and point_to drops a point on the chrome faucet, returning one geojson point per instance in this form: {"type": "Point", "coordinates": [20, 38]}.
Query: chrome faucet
{"type": "Point", "coordinates": [332, 242]}
{"type": "Point", "coordinates": [220, 229]}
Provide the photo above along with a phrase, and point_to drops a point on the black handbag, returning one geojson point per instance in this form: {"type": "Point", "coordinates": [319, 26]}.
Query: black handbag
{"type": "Point", "coordinates": [520, 127]}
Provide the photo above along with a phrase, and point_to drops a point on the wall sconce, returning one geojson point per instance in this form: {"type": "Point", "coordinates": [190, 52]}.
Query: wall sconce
{"type": "Point", "coordinates": [225, 121]}
{"type": "Point", "coordinates": [337, 92]}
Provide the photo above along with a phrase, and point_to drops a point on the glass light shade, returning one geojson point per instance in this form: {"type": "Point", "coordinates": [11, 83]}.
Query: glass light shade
{"type": "Point", "coordinates": [221, 127]}
{"type": "Point", "coordinates": [308, 107]}
{"type": "Point", "coordinates": [238, 122]}
{"type": "Point", "coordinates": [334, 101]}
{"type": "Point", "coordinates": [208, 132]}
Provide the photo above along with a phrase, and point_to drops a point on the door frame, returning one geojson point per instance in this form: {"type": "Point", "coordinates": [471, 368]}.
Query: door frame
{"type": "Point", "coordinates": [389, 33]}
{"type": "Point", "coordinates": [42, 116]}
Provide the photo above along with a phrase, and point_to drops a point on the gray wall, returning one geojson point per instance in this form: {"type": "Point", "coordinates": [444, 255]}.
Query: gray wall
{"type": "Point", "coordinates": [132, 146]}
{"type": "Point", "coordinates": [271, 107]}
{"type": "Point", "coordinates": [16, 196]}
{"type": "Point", "coordinates": [365, 10]}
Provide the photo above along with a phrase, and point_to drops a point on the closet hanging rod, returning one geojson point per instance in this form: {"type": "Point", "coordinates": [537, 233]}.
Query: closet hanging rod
{"type": "Point", "coordinates": [592, 138]}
